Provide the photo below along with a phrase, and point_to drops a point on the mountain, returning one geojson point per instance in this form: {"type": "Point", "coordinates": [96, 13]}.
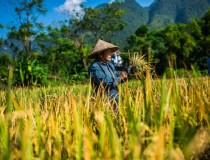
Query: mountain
{"type": "Point", "coordinates": [135, 16]}
{"type": "Point", "coordinates": [159, 14]}
{"type": "Point", "coordinates": [163, 12]}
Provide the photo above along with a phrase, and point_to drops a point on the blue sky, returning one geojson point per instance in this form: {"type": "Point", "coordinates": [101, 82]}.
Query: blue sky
{"type": "Point", "coordinates": [57, 10]}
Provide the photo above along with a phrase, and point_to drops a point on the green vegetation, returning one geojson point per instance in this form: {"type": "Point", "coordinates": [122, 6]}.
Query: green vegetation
{"type": "Point", "coordinates": [184, 44]}
{"type": "Point", "coordinates": [160, 14]}
{"type": "Point", "coordinates": [50, 53]}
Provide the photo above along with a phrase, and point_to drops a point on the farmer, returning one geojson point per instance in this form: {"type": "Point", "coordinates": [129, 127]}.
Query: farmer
{"type": "Point", "coordinates": [102, 71]}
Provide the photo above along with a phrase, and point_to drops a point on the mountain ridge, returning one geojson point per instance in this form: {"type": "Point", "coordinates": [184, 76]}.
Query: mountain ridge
{"type": "Point", "coordinates": [158, 15]}
{"type": "Point", "coordinates": [163, 12]}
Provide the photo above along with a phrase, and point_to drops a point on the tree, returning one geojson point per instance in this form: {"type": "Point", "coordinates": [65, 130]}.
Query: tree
{"type": "Point", "coordinates": [104, 21]}
{"type": "Point", "coordinates": [206, 25]}
{"type": "Point", "coordinates": [20, 38]}
{"type": "Point", "coordinates": [203, 49]}
{"type": "Point", "coordinates": [75, 33]}
{"type": "Point", "coordinates": [139, 42]}
{"type": "Point", "coordinates": [142, 30]}
{"type": "Point", "coordinates": [27, 12]}
{"type": "Point", "coordinates": [60, 53]}
{"type": "Point", "coordinates": [5, 60]}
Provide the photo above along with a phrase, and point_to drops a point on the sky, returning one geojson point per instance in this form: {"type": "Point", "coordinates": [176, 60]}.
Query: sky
{"type": "Point", "coordinates": [57, 10]}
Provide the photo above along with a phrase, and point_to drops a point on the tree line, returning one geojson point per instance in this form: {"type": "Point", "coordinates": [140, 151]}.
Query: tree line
{"type": "Point", "coordinates": [41, 55]}
{"type": "Point", "coordinates": [185, 44]}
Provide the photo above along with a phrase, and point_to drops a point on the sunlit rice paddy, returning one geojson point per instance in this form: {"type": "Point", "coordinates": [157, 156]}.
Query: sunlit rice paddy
{"type": "Point", "coordinates": [157, 119]}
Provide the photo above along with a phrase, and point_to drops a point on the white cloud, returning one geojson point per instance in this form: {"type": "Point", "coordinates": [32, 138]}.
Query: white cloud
{"type": "Point", "coordinates": [112, 1]}
{"type": "Point", "coordinates": [72, 8]}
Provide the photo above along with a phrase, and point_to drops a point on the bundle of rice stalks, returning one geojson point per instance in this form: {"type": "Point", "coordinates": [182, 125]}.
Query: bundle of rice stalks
{"type": "Point", "coordinates": [140, 67]}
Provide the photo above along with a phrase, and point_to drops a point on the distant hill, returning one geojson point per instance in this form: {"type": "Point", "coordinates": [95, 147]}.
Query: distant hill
{"type": "Point", "coordinates": [135, 16]}
{"type": "Point", "coordinates": [159, 14]}
{"type": "Point", "coordinates": [163, 12]}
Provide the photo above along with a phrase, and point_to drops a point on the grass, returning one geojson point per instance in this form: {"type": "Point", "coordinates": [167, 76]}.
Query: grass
{"type": "Point", "coordinates": [157, 119]}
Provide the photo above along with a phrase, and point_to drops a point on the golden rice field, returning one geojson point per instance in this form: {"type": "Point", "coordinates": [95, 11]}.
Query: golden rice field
{"type": "Point", "coordinates": [157, 119]}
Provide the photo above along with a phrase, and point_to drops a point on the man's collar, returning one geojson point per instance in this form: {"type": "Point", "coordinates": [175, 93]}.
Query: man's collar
{"type": "Point", "coordinates": [99, 61]}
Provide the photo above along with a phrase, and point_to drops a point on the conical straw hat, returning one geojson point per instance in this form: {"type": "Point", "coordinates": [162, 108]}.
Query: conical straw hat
{"type": "Point", "coordinates": [102, 46]}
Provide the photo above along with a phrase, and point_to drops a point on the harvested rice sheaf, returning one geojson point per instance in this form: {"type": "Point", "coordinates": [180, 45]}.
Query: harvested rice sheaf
{"type": "Point", "coordinates": [140, 67]}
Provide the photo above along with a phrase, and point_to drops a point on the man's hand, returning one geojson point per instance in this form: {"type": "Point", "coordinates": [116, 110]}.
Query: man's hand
{"type": "Point", "coordinates": [123, 75]}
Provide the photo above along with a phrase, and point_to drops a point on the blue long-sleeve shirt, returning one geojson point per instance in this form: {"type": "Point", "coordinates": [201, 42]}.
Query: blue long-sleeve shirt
{"type": "Point", "coordinates": [105, 74]}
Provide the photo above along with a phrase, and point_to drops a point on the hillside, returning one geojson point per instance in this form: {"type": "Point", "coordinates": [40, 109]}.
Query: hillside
{"type": "Point", "coordinates": [163, 12]}
{"type": "Point", "coordinates": [158, 15]}
{"type": "Point", "coordinates": [135, 16]}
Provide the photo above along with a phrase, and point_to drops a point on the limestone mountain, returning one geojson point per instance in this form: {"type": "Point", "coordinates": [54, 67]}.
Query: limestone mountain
{"type": "Point", "coordinates": [135, 16]}
{"type": "Point", "coordinates": [159, 14]}
{"type": "Point", "coordinates": [163, 12]}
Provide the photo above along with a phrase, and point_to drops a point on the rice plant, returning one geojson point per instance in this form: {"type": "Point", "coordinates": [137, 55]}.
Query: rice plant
{"type": "Point", "coordinates": [157, 119]}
